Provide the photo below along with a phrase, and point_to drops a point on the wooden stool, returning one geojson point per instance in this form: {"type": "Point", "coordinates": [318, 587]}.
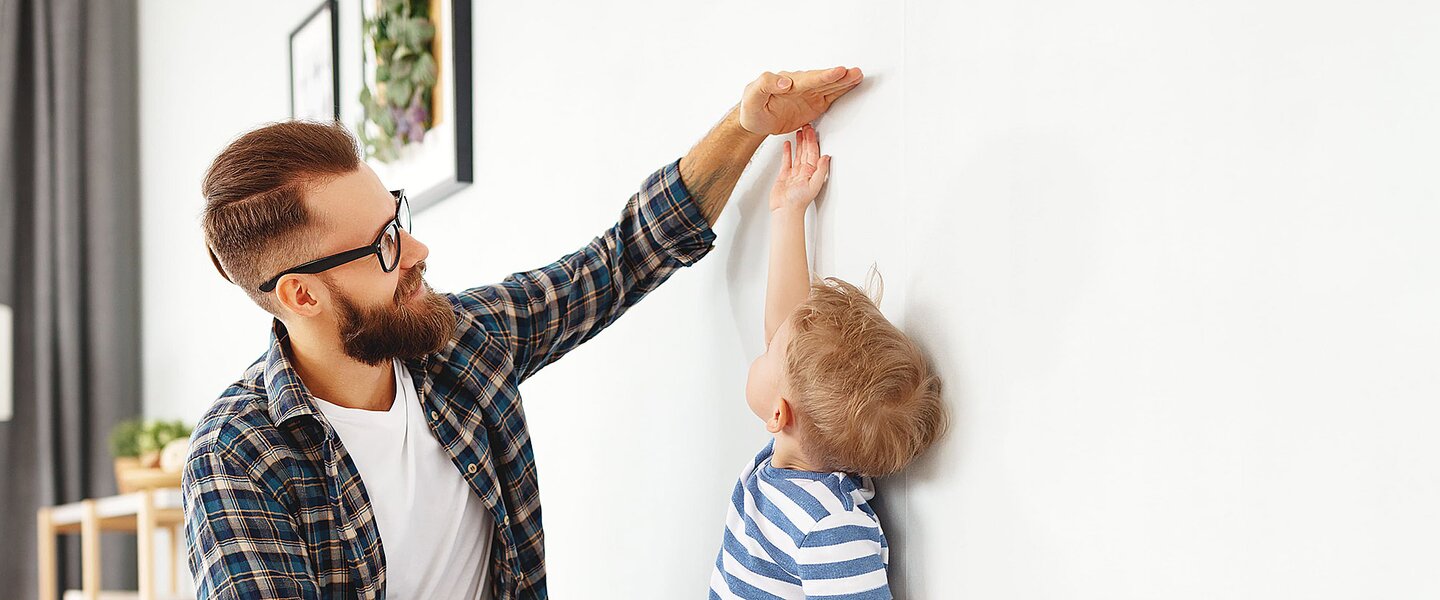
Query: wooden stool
{"type": "Point", "coordinates": [141, 512]}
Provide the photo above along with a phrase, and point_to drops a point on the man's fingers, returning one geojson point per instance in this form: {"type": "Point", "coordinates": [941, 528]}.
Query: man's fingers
{"type": "Point", "coordinates": [852, 78]}
{"type": "Point", "coordinates": [832, 96]}
{"type": "Point", "coordinates": [776, 83]}
{"type": "Point", "coordinates": [809, 81]}
{"type": "Point", "coordinates": [768, 84]}
{"type": "Point", "coordinates": [829, 80]}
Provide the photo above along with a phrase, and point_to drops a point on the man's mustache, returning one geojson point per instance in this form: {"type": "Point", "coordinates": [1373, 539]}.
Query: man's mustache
{"type": "Point", "coordinates": [412, 280]}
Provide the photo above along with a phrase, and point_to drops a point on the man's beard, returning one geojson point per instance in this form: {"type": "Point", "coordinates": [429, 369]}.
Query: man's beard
{"type": "Point", "coordinates": [404, 330]}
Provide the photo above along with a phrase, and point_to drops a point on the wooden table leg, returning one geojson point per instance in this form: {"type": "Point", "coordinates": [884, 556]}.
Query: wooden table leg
{"type": "Point", "coordinates": [90, 552]}
{"type": "Point", "coordinates": [45, 536]}
{"type": "Point", "coordinates": [175, 559]}
{"type": "Point", "coordinates": [145, 544]}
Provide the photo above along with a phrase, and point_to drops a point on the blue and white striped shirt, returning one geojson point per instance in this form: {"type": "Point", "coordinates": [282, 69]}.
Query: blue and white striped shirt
{"type": "Point", "coordinates": [797, 534]}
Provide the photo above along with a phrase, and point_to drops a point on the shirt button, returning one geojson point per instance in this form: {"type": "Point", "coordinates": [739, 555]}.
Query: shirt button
{"type": "Point", "coordinates": [471, 469]}
{"type": "Point", "coordinates": [519, 576]}
{"type": "Point", "coordinates": [434, 416]}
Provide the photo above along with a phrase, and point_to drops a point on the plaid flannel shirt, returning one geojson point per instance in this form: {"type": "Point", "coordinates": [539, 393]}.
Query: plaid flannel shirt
{"type": "Point", "coordinates": [274, 507]}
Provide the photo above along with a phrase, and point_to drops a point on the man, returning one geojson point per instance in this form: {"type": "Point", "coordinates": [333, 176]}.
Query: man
{"type": "Point", "coordinates": [371, 376]}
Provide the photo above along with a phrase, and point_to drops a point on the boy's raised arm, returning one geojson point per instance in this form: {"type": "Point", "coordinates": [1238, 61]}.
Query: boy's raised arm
{"type": "Point", "coordinates": [802, 172]}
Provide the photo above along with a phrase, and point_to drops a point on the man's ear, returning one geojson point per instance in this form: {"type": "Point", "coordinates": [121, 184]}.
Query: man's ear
{"type": "Point", "coordinates": [781, 417]}
{"type": "Point", "coordinates": [300, 295]}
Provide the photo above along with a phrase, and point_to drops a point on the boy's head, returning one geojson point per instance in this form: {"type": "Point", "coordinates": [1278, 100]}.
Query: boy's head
{"type": "Point", "coordinates": [853, 390]}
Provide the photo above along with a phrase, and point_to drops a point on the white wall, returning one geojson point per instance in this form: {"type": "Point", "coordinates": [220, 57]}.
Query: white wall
{"type": "Point", "coordinates": [1174, 262]}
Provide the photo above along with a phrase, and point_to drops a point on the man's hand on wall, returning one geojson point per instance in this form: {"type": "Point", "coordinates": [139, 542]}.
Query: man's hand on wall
{"type": "Point", "coordinates": [777, 103]}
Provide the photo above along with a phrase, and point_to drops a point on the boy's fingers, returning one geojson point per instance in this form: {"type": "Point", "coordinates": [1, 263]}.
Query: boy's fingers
{"type": "Point", "coordinates": [822, 173]}
{"type": "Point", "coordinates": [812, 145]}
{"type": "Point", "coordinates": [785, 159]}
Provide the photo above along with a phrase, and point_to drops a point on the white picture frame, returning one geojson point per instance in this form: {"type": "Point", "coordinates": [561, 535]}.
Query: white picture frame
{"type": "Point", "coordinates": [7, 363]}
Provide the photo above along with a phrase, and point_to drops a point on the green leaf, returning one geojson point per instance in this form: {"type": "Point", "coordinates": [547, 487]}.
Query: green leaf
{"type": "Point", "coordinates": [419, 32]}
{"type": "Point", "coordinates": [385, 121]}
{"type": "Point", "coordinates": [400, 69]}
{"type": "Point", "coordinates": [125, 439]}
{"type": "Point", "coordinates": [425, 71]}
{"type": "Point", "coordinates": [401, 53]}
{"type": "Point", "coordinates": [397, 93]}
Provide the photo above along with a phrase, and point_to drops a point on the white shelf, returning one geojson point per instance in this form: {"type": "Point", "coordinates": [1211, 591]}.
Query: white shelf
{"type": "Point", "coordinates": [124, 505]}
{"type": "Point", "coordinates": [78, 595]}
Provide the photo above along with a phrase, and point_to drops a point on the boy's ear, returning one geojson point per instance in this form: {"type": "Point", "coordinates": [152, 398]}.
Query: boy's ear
{"type": "Point", "coordinates": [781, 418]}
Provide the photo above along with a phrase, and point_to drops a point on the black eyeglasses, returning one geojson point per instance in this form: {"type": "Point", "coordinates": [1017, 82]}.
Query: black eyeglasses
{"type": "Point", "coordinates": [386, 247]}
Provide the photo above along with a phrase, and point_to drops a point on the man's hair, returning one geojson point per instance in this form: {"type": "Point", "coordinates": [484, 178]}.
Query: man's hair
{"type": "Point", "coordinates": [254, 193]}
{"type": "Point", "coordinates": [865, 397]}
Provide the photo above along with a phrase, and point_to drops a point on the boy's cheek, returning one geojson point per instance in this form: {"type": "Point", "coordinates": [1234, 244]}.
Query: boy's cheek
{"type": "Point", "coordinates": [756, 388]}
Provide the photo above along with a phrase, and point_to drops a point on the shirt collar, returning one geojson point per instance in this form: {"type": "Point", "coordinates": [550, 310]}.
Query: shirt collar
{"type": "Point", "coordinates": [288, 397]}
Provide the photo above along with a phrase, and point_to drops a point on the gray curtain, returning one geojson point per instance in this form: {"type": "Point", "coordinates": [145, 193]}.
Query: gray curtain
{"type": "Point", "coordinates": [69, 221]}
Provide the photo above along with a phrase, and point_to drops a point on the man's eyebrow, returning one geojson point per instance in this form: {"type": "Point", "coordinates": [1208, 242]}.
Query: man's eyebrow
{"type": "Point", "coordinates": [381, 230]}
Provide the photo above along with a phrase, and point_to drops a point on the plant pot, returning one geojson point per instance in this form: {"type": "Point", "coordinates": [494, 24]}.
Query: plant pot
{"type": "Point", "coordinates": [123, 466]}
{"type": "Point", "coordinates": [131, 476]}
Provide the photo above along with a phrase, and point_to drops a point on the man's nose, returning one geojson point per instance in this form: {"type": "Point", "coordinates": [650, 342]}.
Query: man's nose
{"type": "Point", "coordinates": [412, 250]}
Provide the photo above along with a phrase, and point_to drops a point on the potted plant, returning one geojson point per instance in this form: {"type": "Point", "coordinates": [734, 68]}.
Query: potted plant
{"type": "Point", "coordinates": [136, 447]}
{"type": "Point", "coordinates": [125, 449]}
{"type": "Point", "coordinates": [155, 435]}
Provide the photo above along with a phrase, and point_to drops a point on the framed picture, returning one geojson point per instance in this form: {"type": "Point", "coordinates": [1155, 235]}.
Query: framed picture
{"type": "Point", "coordinates": [7, 363]}
{"type": "Point", "coordinates": [406, 71]}
{"type": "Point", "coordinates": [315, 66]}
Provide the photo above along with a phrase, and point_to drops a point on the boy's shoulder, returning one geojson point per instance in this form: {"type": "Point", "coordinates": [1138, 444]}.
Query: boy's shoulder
{"type": "Point", "coordinates": [809, 500]}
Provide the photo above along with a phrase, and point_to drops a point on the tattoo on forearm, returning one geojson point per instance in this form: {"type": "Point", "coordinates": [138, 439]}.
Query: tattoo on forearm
{"type": "Point", "coordinates": [712, 168]}
{"type": "Point", "coordinates": [713, 191]}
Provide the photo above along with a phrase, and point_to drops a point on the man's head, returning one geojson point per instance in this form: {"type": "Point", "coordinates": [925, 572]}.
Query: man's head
{"type": "Point", "coordinates": [293, 192]}
{"type": "Point", "coordinates": [855, 392]}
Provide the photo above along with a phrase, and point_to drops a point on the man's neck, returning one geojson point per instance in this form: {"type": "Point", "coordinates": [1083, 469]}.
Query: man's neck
{"type": "Point", "coordinates": [333, 376]}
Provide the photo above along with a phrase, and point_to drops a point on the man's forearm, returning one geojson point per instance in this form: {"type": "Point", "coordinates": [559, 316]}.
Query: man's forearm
{"type": "Point", "coordinates": [711, 169]}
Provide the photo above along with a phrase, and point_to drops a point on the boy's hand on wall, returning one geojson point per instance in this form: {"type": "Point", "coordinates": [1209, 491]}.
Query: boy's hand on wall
{"type": "Point", "coordinates": [777, 103]}
{"type": "Point", "coordinates": [802, 175]}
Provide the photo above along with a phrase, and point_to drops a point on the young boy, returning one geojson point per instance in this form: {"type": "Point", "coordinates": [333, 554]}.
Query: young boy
{"type": "Point", "coordinates": [847, 397]}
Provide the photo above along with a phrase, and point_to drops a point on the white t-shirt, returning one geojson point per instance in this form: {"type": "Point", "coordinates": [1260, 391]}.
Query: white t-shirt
{"type": "Point", "coordinates": [435, 532]}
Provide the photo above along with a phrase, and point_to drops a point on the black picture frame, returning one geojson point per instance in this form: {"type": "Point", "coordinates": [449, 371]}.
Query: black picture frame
{"type": "Point", "coordinates": [437, 172]}
{"type": "Point", "coordinates": [462, 48]}
{"type": "Point", "coordinates": [326, 15]}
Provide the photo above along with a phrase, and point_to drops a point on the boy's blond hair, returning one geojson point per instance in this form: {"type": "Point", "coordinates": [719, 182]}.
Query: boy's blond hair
{"type": "Point", "coordinates": [865, 398]}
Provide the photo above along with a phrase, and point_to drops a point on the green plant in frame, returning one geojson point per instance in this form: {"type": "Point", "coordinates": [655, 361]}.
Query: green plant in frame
{"type": "Point", "coordinates": [397, 108]}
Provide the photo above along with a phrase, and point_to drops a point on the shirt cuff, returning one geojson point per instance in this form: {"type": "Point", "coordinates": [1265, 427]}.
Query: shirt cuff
{"type": "Point", "coordinates": [678, 226]}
